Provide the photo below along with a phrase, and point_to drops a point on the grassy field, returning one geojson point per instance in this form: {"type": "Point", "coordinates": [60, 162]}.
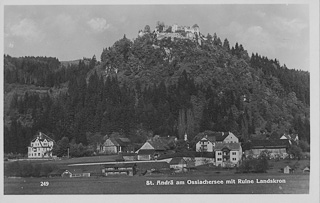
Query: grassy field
{"type": "Point", "coordinates": [294, 184]}
{"type": "Point", "coordinates": [90, 159]}
{"type": "Point", "coordinates": [297, 183]}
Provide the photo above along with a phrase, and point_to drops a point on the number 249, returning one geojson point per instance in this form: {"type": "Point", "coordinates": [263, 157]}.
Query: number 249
{"type": "Point", "coordinates": [44, 184]}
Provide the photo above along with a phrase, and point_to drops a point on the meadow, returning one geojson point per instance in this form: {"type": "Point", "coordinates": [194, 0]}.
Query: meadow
{"type": "Point", "coordinates": [294, 184]}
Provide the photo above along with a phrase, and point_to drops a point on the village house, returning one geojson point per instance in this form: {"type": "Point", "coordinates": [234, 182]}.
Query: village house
{"type": "Point", "coordinates": [288, 170]}
{"type": "Point", "coordinates": [69, 173]}
{"type": "Point", "coordinates": [178, 164]}
{"type": "Point", "coordinates": [129, 156]}
{"type": "Point", "coordinates": [276, 148]}
{"type": "Point", "coordinates": [145, 168]}
{"type": "Point", "coordinates": [155, 147]}
{"type": "Point", "coordinates": [78, 172]}
{"type": "Point", "coordinates": [228, 153]}
{"type": "Point", "coordinates": [146, 155]}
{"type": "Point", "coordinates": [115, 146]}
{"type": "Point", "coordinates": [41, 146]}
{"type": "Point", "coordinates": [208, 142]}
{"type": "Point", "coordinates": [128, 169]}
{"type": "Point", "coordinates": [60, 172]}
{"type": "Point", "coordinates": [306, 170]}
{"type": "Point", "coordinates": [290, 137]}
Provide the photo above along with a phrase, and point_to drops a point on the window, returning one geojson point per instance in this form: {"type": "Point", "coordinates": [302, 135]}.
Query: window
{"type": "Point", "coordinates": [234, 153]}
{"type": "Point", "coordinates": [38, 154]}
{"type": "Point", "coordinates": [219, 159]}
{"type": "Point", "coordinates": [234, 159]}
{"type": "Point", "coordinates": [219, 153]}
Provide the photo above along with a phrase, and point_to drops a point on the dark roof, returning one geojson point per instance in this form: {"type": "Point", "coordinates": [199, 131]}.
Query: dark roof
{"type": "Point", "coordinates": [230, 146]}
{"type": "Point", "coordinates": [119, 165]}
{"type": "Point", "coordinates": [58, 171]}
{"type": "Point", "coordinates": [258, 144]}
{"type": "Point", "coordinates": [146, 151]}
{"type": "Point", "coordinates": [220, 136]}
{"type": "Point", "coordinates": [41, 136]}
{"type": "Point", "coordinates": [210, 138]}
{"type": "Point", "coordinates": [123, 142]}
{"type": "Point", "coordinates": [153, 165]}
{"type": "Point", "coordinates": [128, 154]}
{"type": "Point", "coordinates": [157, 145]}
{"type": "Point", "coordinates": [205, 154]}
{"type": "Point", "coordinates": [215, 136]}
{"type": "Point", "coordinates": [178, 154]}
{"type": "Point", "coordinates": [162, 143]}
{"type": "Point", "coordinates": [177, 160]}
{"type": "Point", "coordinates": [75, 170]}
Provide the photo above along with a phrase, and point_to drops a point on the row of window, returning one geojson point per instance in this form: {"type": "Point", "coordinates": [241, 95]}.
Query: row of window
{"type": "Point", "coordinates": [38, 145]}
{"type": "Point", "coordinates": [220, 159]}
{"type": "Point", "coordinates": [233, 153]}
{"type": "Point", "coordinates": [34, 154]}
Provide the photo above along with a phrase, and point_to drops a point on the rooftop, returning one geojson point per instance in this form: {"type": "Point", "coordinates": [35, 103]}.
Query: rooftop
{"type": "Point", "coordinates": [230, 146]}
{"type": "Point", "coordinates": [41, 136]}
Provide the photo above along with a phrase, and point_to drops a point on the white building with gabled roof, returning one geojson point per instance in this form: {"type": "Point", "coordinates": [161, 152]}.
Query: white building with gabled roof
{"type": "Point", "coordinates": [41, 146]}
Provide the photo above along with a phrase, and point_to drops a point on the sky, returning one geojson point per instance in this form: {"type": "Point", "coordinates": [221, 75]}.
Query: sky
{"type": "Point", "coordinates": [72, 32]}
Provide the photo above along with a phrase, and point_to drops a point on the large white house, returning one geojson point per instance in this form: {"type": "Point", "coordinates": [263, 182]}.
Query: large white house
{"type": "Point", "coordinates": [41, 146]}
{"type": "Point", "coordinates": [228, 154]}
{"type": "Point", "coordinates": [206, 144]}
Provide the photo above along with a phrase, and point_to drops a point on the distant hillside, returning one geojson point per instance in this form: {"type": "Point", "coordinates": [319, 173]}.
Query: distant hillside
{"type": "Point", "coordinates": [74, 62]}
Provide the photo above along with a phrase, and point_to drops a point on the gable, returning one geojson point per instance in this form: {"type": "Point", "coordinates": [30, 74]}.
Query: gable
{"type": "Point", "coordinates": [231, 138]}
{"type": "Point", "coordinates": [41, 137]}
{"type": "Point", "coordinates": [147, 145]}
{"type": "Point", "coordinates": [205, 141]}
{"type": "Point", "coordinates": [109, 142]}
{"type": "Point", "coordinates": [283, 137]}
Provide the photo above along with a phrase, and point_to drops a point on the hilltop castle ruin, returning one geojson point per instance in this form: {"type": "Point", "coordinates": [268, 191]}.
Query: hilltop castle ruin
{"type": "Point", "coordinates": [176, 31]}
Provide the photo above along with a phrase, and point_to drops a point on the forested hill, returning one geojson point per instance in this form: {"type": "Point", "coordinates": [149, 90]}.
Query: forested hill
{"type": "Point", "coordinates": [149, 86]}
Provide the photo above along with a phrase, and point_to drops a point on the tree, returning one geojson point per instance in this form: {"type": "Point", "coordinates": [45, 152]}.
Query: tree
{"type": "Point", "coordinates": [262, 163]}
{"type": "Point", "coordinates": [169, 29]}
{"type": "Point", "coordinates": [147, 29]}
{"type": "Point", "coordinates": [226, 44]}
{"type": "Point", "coordinates": [61, 148]}
{"type": "Point", "coordinates": [181, 146]}
{"type": "Point", "coordinates": [295, 151]}
{"type": "Point", "coordinates": [305, 147]}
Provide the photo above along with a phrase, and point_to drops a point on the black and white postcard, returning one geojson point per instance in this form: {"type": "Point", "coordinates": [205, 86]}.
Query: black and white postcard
{"type": "Point", "coordinates": [184, 101]}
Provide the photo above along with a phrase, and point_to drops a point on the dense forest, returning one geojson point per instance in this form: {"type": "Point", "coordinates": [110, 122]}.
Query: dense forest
{"type": "Point", "coordinates": [149, 87]}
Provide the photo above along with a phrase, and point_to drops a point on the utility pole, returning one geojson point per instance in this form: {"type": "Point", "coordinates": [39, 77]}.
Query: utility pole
{"type": "Point", "coordinates": [68, 152]}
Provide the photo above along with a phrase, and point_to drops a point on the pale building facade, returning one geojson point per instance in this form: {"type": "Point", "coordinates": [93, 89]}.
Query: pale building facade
{"type": "Point", "coordinates": [41, 147]}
